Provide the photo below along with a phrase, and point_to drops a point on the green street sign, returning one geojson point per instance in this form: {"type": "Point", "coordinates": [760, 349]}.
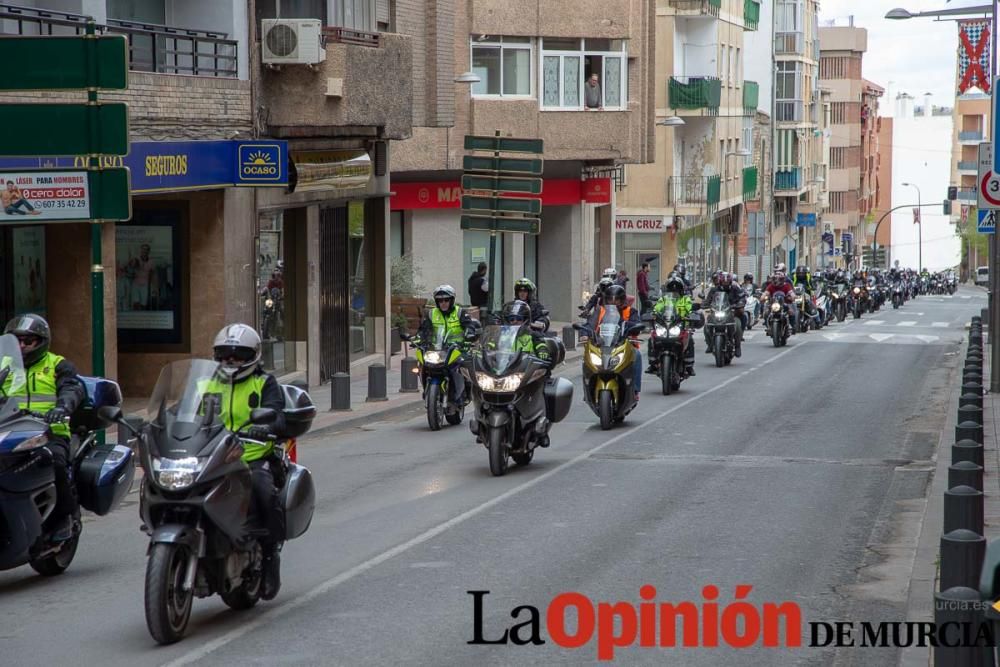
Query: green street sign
{"type": "Point", "coordinates": [61, 129]}
{"type": "Point", "coordinates": [60, 63]}
{"type": "Point", "coordinates": [531, 186]}
{"type": "Point", "coordinates": [494, 224]}
{"type": "Point", "coordinates": [114, 199]}
{"type": "Point", "coordinates": [504, 204]}
{"type": "Point", "coordinates": [508, 165]}
{"type": "Point", "coordinates": [503, 144]}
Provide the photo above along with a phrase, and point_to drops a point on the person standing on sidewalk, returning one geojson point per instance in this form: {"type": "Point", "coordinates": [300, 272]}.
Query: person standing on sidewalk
{"type": "Point", "coordinates": [479, 287]}
{"type": "Point", "coordinates": [642, 287]}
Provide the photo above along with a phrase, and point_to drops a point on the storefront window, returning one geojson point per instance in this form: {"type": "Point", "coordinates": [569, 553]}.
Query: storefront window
{"type": "Point", "coordinates": [362, 327]}
{"type": "Point", "coordinates": [28, 255]}
{"type": "Point", "coordinates": [270, 278]}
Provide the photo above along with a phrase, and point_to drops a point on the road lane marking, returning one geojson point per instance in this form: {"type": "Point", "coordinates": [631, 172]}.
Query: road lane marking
{"type": "Point", "coordinates": [328, 585]}
{"type": "Point", "coordinates": [908, 323]}
{"type": "Point", "coordinates": [940, 325]}
{"type": "Point", "coordinates": [871, 323]}
{"type": "Point", "coordinates": [878, 338]}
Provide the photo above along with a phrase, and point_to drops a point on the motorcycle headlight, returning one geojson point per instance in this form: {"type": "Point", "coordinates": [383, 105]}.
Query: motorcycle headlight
{"type": "Point", "coordinates": [857, 290]}
{"type": "Point", "coordinates": [268, 303]}
{"type": "Point", "coordinates": [775, 307]}
{"type": "Point", "coordinates": [176, 474]}
{"type": "Point", "coordinates": [507, 383]}
{"type": "Point", "coordinates": [595, 359]}
{"type": "Point", "coordinates": [33, 442]}
{"type": "Point", "coordinates": [675, 330]}
{"type": "Point", "coordinates": [720, 315]}
{"type": "Point", "coordinates": [662, 330]}
{"type": "Point", "coordinates": [433, 357]}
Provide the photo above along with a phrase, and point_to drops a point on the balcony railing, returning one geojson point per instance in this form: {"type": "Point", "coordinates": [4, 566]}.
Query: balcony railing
{"type": "Point", "coordinates": [788, 179]}
{"type": "Point", "coordinates": [751, 97]}
{"type": "Point", "coordinates": [687, 190]}
{"type": "Point", "coordinates": [972, 135]}
{"type": "Point", "coordinates": [714, 190]}
{"type": "Point", "coordinates": [151, 47]}
{"type": "Point", "coordinates": [967, 194]}
{"type": "Point", "coordinates": [751, 14]}
{"type": "Point", "coordinates": [694, 92]}
{"type": "Point", "coordinates": [789, 43]}
{"type": "Point", "coordinates": [968, 166]}
{"type": "Point", "coordinates": [707, 7]}
{"type": "Point", "coordinates": [749, 183]}
{"type": "Point", "coordinates": [790, 111]}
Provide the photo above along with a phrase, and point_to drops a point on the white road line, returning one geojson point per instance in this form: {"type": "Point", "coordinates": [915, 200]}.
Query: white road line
{"type": "Point", "coordinates": [872, 323]}
{"type": "Point", "coordinates": [880, 337]}
{"type": "Point", "coordinates": [328, 585]}
{"type": "Point", "coordinates": [940, 325]}
{"type": "Point", "coordinates": [908, 323]}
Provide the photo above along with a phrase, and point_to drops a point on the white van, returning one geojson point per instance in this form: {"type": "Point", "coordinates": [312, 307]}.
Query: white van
{"type": "Point", "coordinates": [983, 276]}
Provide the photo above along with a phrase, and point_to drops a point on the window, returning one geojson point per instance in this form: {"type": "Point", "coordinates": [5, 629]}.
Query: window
{"type": "Point", "coordinates": [354, 14]}
{"type": "Point", "coordinates": [504, 65]}
{"type": "Point", "coordinates": [737, 68]}
{"type": "Point", "coordinates": [788, 81]}
{"type": "Point", "coordinates": [724, 57]}
{"type": "Point", "coordinates": [789, 16]}
{"type": "Point", "coordinates": [569, 65]}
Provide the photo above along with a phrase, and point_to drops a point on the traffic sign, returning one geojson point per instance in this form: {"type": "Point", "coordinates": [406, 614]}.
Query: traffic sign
{"type": "Point", "coordinates": [988, 183]}
{"type": "Point", "coordinates": [509, 165]}
{"type": "Point", "coordinates": [498, 183]}
{"type": "Point", "coordinates": [62, 129]}
{"type": "Point", "coordinates": [504, 144]}
{"type": "Point", "coordinates": [487, 223]}
{"type": "Point", "coordinates": [35, 57]}
{"type": "Point", "coordinates": [987, 223]}
{"type": "Point", "coordinates": [846, 236]}
{"type": "Point", "coordinates": [504, 204]}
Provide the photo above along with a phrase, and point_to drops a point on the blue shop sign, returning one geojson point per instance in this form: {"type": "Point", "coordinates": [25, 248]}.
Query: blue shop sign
{"type": "Point", "coordinates": [805, 220]}
{"type": "Point", "coordinates": [170, 166]}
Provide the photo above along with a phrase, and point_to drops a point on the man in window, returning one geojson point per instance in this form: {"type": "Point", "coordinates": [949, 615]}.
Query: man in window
{"type": "Point", "coordinates": [592, 93]}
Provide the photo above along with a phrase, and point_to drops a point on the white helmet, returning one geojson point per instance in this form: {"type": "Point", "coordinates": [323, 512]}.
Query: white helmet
{"type": "Point", "coordinates": [609, 273]}
{"type": "Point", "coordinates": [444, 292]}
{"type": "Point", "coordinates": [237, 349]}
{"type": "Point", "coordinates": [781, 267]}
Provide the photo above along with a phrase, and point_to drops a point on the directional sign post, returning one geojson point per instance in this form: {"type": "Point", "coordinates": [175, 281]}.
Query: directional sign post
{"type": "Point", "coordinates": [86, 63]}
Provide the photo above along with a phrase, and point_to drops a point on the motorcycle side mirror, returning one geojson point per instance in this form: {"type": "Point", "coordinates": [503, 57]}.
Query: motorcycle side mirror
{"type": "Point", "coordinates": [109, 413]}
{"type": "Point", "coordinates": [133, 423]}
{"type": "Point", "coordinates": [634, 328]}
{"type": "Point", "coordinates": [263, 416]}
{"type": "Point", "coordinates": [695, 306]}
{"type": "Point", "coordinates": [405, 337]}
{"type": "Point", "coordinates": [647, 317]}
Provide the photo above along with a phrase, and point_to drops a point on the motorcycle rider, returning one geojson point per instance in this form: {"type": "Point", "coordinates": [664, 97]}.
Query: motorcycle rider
{"type": "Point", "coordinates": [673, 292]}
{"type": "Point", "coordinates": [52, 387]}
{"type": "Point", "coordinates": [681, 271]}
{"type": "Point", "coordinates": [748, 285]}
{"type": "Point", "coordinates": [456, 323]}
{"type": "Point", "coordinates": [608, 277]}
{"type": "Point", "coordinates": [524, 290]}
{"type": "Point", "coordinates": [804, 278]}
{"type": "Point", "coordinates": [780, 284]}
{"type": "Point", "coordinates": [242, 385]}
{"type": "Point", "coordinates": [737, 300]}
{"type": "Point", "coordinates": [615, 295]}
{"type": "Point", "coordinates": [518, 313]}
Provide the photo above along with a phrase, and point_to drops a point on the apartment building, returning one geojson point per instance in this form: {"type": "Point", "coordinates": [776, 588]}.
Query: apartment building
{"type": "Point", "coordinates": [704, 169]}
{"type": "Point", "coordinates": [531, 62]}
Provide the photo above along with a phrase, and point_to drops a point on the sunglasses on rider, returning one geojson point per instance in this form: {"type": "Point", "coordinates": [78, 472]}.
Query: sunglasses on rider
{"type": "Point", "coordinates": [233, 353]}
{"type": "Point", "coordinates": [28, 340]}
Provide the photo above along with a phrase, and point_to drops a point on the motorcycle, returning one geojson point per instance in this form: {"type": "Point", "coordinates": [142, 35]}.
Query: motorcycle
{"type": "Point", "coordinates": [897, 295]}
{"type": "Point", "coordinates": [196, 497]}
{"type": "Point", "coordinates": [805, 320]}
{"type": "Point", "coordinates": [668, 340]}
{"type": "Point", "coordinates": [839, 298]}
{"type": "Point", "coordinates": [516, 401]}
{"type": "Point", "coordinates": [101, 473]}
{"type": "Point", "coordinates": [272, 319]}
{"type": "Point", "coordinates": [822, 302]}
{"type": "Point", "coordinates": [753, 308]}
{"type": "Point", "coordinates": [435, 358]}
{"type": "Point", "coordinates": [720, 329]}
{"type": "Point", "coordinates": [776, 321]}
{"type": "Point", "coordinates": [608, 357]}
{"type": "Point", "coordinates": [859, 296]}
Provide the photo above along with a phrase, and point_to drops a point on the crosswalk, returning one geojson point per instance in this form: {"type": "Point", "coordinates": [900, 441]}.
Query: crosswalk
{"type": "Point", "coordinates": [835, 337]}
{"type": "Point", "coordinates": [903, 323]}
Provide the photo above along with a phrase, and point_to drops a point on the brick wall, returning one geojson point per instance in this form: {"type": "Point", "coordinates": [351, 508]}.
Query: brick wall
{"type": "Point", "coordinates": [165, 106]}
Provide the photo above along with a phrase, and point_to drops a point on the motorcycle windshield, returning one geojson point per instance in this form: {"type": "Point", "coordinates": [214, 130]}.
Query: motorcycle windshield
{"type": "Point", "coordinates": [720, 301]}
{"type": "Point", "coordinates": [669, 311]}
{"type": "Point", "coordinates": [500, 349]}
{"type": "Point", "coordinates": [187, 407]}
{"type": "Point", "coordinates": [12, 376]}
{"type": "Point", "coordinates": [439, 338]}
{"type": "Point", "coordinates": [607, 330]}
{"type": "Point", "coordinates": [819, 286]}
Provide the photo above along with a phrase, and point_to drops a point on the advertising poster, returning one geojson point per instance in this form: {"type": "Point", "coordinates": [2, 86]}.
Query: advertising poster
{"type": "Point", "coordinates": [44, 195]}
{"type": "Point", "coordinates": [28, 250]}
{"type": "Point", "coordinates": [147, 291]}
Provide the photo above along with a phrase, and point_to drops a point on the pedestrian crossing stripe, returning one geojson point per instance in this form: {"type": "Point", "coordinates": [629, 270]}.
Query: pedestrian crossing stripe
{"type": "Point", "coordinates": [908, 323]}
{"type": "Point", "coordinates": [871, 323]}
{"type": "Point", "coordinates": [939, 324]}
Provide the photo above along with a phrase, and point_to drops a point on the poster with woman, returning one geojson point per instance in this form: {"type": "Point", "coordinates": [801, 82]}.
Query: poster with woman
{"type": "Point", "coordinates": [144, 268]}
{"type": "Point", "coordinates": [28, 246]}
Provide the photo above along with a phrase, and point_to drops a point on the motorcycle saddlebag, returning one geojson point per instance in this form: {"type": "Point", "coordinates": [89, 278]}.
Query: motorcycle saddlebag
{"type": "Point", "coordinates": [558, 399]}
{"type": "Point", "coordinates": [298, 497]}
{"type": "Point", "coordinates": [299, 411]}
{"type": "Point", "coordinates": [100, 392]}
{"type": "Point", "coordinates": [557, 350]}
{"type": "Point", "coordinates": [106, 474]}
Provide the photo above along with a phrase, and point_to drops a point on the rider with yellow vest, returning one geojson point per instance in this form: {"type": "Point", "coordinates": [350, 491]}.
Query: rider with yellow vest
{"type": "Point", "coordinates": [242, 386]}
{"type": "Point", "coordinates": [456, 322]}
{"type": "Point", "coordinates": [52, 388]}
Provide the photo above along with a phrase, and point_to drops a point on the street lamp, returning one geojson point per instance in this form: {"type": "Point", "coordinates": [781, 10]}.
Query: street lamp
{"type": "Point", "coordinates": [468, 77]}
{"type": "Point", "coordinates": [920, 230]}
{"type": "Point", "coordinates": [671, 121]}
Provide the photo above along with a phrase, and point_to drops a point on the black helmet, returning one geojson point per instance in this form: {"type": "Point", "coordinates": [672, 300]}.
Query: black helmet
{"type": "Point", "coordinates": [516, 312]}
{"type": "Point", "coordinates": [674, 284]}
{"type": "Point", "coordinates": [681, 270]}
{"type": "Point", "coordinates": [614, 294]}
{"type": "Point", "coordinates": [801, 270]}
{"type": "Point", "coordinates": [748, 277]}
{"type": "Point", "coordinates": [35, 330]}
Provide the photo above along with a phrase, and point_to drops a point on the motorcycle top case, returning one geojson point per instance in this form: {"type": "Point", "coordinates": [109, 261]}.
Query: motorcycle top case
{"type": "Point", "coordinates": [558, 398]}
{"type": "Point", "coordinates": [299, 411]}
{"type": "Point", "coordinates": [557, 350]}
{"type": "Point", "coordinates": [298, 498]}
{"type": "Point", "coordinates": [106, 474]}
{"type": "Point", "coordinates": [100, 393]}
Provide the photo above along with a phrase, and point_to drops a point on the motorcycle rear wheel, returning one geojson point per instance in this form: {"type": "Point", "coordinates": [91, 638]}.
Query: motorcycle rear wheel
{"type": "Point", "coordinates": [498, 452]}
{"type": "Point", "coordinates": [58, 562]}
{"type": "Point", "coordinates": [247, 595]}
{"type": "Point", "coordinates": [523, 458]}
{"type": "Point", "coordinates": [455, 418]}
{"type": "Point", "coordinates": [606, 409]}
{"type": "Point", "coordinates": [168, 606]}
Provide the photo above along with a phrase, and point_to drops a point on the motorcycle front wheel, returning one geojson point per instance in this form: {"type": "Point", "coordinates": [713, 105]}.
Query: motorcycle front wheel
{"type": "Point", "coordinates": [720, 350]}
{"type": "Point", "coordinates": [666, 373]}
{"type": "Point", "coordinates": [606, 409]}
{"type": "Point", "coordinates": [498, 452]}
{"type": "Point", "coordinates": [776, 333]}
{"type": "Point", "coordinates": [168, 605]}
{"type": "Point", "coordinates": [434, 410]}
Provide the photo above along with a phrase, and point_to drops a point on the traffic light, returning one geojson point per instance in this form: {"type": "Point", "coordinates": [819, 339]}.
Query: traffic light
{"type": "Point", "coordinates": [952, 192]}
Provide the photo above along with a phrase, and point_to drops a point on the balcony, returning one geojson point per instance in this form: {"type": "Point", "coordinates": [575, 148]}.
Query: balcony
{"type": "Point", "coordinates": [971, 135]}
{"type": "Point", "coordinates": [789, 111]}
{"type": "Point", "coordinates": [694, 92]}
{"type": "Point", "coordinates": [751, 14]}
{"type": "Point", "coordinates": [789, 43]}
{"type": "Point", "coordinates": [749, 183]}
{"type": "Point", "coordinates": [374, 97]}
{"type": "Point", "coordinates": [967, 195]}
{"type": "Point", "coordinates": [153, 48]}
{"type": "Point", "coordinates": [751, 97]}
{"type": "Point", "coordinates": [788, 179]}
{"type": "Point", "coordinates": [697, 7]}
{"type": "Point", "coordinates": [968, 166]}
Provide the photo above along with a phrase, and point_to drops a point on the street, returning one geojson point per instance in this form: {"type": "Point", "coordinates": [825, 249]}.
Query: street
{"type": "Point", "coordinates": [800, 471]}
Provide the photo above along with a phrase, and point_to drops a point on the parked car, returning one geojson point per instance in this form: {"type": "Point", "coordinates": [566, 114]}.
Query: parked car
{"type": "Point", "coordinates": [983, 276]}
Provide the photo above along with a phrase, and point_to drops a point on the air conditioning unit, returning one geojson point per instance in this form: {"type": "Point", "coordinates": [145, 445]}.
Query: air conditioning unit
{"type": "Point", "coordinates": [292, 41]}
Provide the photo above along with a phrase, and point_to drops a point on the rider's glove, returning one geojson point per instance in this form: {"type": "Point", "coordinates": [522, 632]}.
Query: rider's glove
{"type": "Point", "coordinates": [56, 415]}
{"type": "Point", "coordinates": [258, 433]}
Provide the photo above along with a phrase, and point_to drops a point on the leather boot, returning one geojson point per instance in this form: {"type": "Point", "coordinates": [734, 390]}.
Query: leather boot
{"type": "Point", "coordinates": [271, 583]}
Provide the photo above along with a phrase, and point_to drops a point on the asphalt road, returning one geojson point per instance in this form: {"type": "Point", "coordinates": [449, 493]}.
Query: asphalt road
{"type": "Point", "coordinates": [798, 471]}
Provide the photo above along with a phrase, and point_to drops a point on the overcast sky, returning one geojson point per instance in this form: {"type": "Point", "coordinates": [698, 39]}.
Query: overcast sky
{"type": "Point", "coordinates": [916, 56]}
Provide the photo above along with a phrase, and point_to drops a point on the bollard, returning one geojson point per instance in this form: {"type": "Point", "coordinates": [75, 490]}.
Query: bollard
{"type": "Point", "coordinates": [957, 614]}
{"type": "Point", "coordinates": [974, 359]}
{"type": "Point", "coordinates": [967, 450]}
{"type": "Point", "coordinates": [569, 337]}
{"type": "Point", "coordinates": [340, 392]}
{"type": "Point", "coordinates": [972, 377]}
{"type": "Point", "coordinates": [963, 508]}
{"type": "Point", "coordinates": [376, 384]}
{"type": "Point", "coordinates": [965, 473]}
{"type": "Point", "coordinates": [973, 388]}
{"type": "Point", "coordinates": [962, 553]}
{"type": "Point", "coordinates": [969, 431]}
{"type": "Point", "coordinates": [970, 413]}
{"type": "Point", "coordinates": [977, 319]}
{"type": "Point", "coordinates": [973, 366]}
{"type": "Point", "coordinates": [971, 399]}
{"type": "Point", "coordinates": [409, 376]}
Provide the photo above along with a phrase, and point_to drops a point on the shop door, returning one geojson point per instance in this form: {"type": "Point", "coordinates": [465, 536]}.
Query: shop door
{"type": "Point", "coordinates": [476, 248]}
{"type": "Point", "coordinates": [634, 260]}
{"type": "Point", "coordinates": [334, 293]}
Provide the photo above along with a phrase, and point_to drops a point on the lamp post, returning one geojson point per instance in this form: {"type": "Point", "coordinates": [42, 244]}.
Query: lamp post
{"type": "Point", "coordinates": [920, 230]}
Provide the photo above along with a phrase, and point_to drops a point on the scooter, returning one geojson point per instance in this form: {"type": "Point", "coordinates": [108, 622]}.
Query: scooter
{"type": "Point", "coordinates": [608, 360]}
